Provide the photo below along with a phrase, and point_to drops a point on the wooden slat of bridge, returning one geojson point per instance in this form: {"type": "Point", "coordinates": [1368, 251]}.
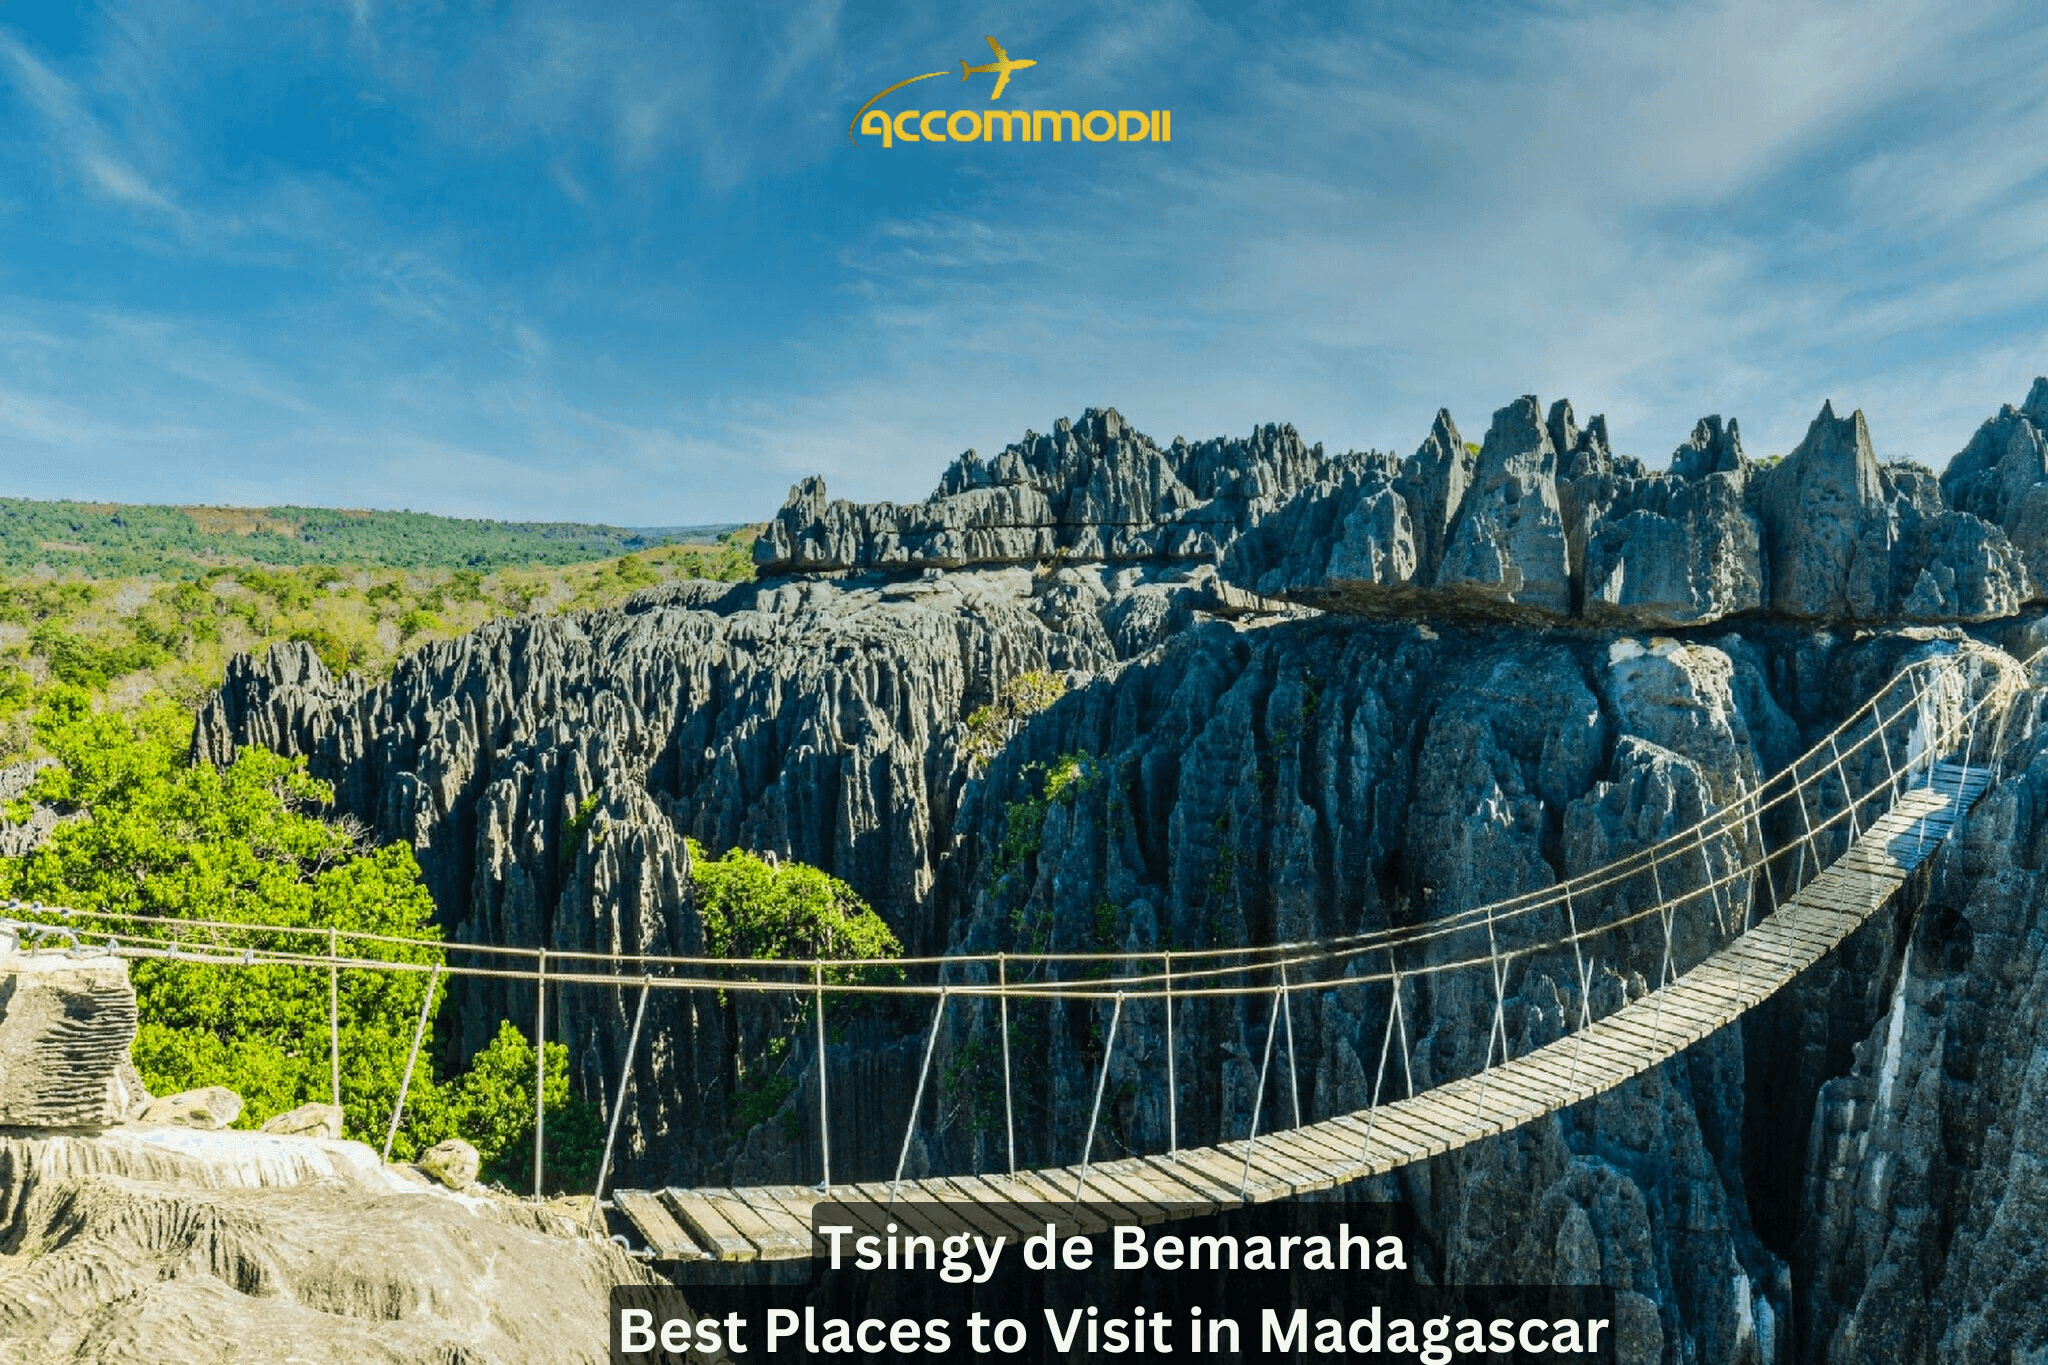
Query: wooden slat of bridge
{"type": "Point", "coordinates": [772, 1223]}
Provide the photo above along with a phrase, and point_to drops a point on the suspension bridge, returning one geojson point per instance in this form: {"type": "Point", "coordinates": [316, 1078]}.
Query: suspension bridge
{"type": "Point", "coordinates": [1769, 883]}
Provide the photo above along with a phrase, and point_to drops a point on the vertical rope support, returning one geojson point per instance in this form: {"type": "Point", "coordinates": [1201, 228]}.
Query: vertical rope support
{"type": "Point", "coordinates": [1807, 849]}
{"type": "Point", "coordinates": [1799, 878]}
{"type": "Point", "coordinates": [1500, 1004]}
{"type": "Point", "coordinates": [1172, 1096]}
{"type": "Point", "coordinates": [1848, 794]}
{"type": "Point", "coordinates": [1500, 1026]}
{"type": "Point", "coordinates": [1884, 743]}
{"type": "Point", "coordinates": [1714, 885]}
{"type": "Point", "coordinates": [334, 1017]}
{"type": "Point", "coordinates": [1116, 1017]}
{"type": "Point", "coordinates": [1009, 1108]}
{"type": "Point", "coordinates": [611, 1132]}
{"type": "Point", "coordinates": [1585, 985]}
{"type": "Point", "coordinates": [1664, 914]}
{"type": "Point", "coordinates": [1258, 1096]}
{"type": "Point", "coordinates": [1756, 822]}
{"type": "Point", "coordinates": [405, 1082]}
{"type": "Point", "coordinates": [1758, 862]}
{"type": "Point", "coordinates": [540, 1067]}
{"type": "Point", "coordinates": [1664, 971]}
{"type": "Point", "coordinates": [917, 1101]}
{"type": "Point", "coordinates": [1372, 1111]}
{"type": "Point", "coordinates": [1963, 784]}
{"type": "Point", "coordinates": [1928, 722]}
{"type": "Point", "coordinates": [824, 1111]}
{"type": "Point", "coordinates": [1287, 1014]}
{"type": "Point", "coordinates": [1407, 1064]}
{"type": "Point", "coordinates": [1923, 721]}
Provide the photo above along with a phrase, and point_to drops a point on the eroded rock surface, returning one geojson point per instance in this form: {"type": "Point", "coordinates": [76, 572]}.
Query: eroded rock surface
{"type": "Point", "coordinates": [208, 1108]}
{"type": "Point", "coordinates": [1849, 540]}
{"type": "Point", "coordinates": [168, 1245]}
{"type": "Point", "coordinates": [1921, 1217]}
{"type": "Point", "coordinates": [454, 1163]}
{"type": "Point", "coordinates": [1091, 490]}
{"type": "Point", "coordinates": [1550, 525]}
{"type": "Point", "coordinates": [2002, 477]}
{"type": "Point", "coordinates": [308, 1120]}
{"type": "Point", "coordinates": [547, 772]}
{"type": "Point", "coordinates": [66, 1024]}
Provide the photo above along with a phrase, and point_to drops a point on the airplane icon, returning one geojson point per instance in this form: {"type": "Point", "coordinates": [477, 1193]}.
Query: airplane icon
{"type": "Point", "coordinates": [1002, 66]}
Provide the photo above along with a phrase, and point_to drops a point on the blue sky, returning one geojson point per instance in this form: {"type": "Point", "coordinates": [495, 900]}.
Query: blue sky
{"type": "Point", "coordinates": [620, 263]}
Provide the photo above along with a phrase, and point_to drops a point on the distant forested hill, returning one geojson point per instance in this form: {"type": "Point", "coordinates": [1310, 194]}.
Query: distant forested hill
{"type": "Point", "coordinates": [142, 607]}
{"type": "Point", "coordinates": [118, 540]}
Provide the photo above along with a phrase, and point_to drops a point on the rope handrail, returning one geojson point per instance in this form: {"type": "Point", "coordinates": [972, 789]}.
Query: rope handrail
{"type": "Point", "coordinates": [1699, 840]}
{"type": "Point", "coordinates": [1097, 989]}
{"type": "Point", "coordinates": [1944, 704]}
{"type": "Point", "coordinates": [1734, 816]}
{"type": "Point", "coordinates": [1083, 989]}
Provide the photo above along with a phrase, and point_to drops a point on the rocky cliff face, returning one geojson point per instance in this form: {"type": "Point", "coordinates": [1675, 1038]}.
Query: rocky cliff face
{"type": "Point", "coordinates": [1094, 490]}
{"type": "Point", "coordinates": [819, 720]}
{"type": "Point", "coordinates": [1923, 1201]}
{"type": "Point", "coordinates": [1539, 535]}
{"type": "Point", "coordinates": [1247, 769]}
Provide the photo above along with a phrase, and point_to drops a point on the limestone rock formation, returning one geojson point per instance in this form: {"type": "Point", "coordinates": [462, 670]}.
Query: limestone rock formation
{"type": "Point", "coordinates": [308, 1120]}
{"type": "Point", "coordinates": [1440, 530]}
{"type": "Point", "coordinates": [1353, 544]}
{"type": "Point", "coordinates": [1845, 541]}
{"type": "Point", "coordinates": [17, 839]}
{"type": "Point", "coordinates": [1093, 490]}
{"type": "Point", "coordinates": [208, 1108]}
{"type": "Point", "coordinates": [170, 1245]}
{"type": "Point", "coordinates": [1307, 781]}
{"type": "Point", "coordinates": [1919, 1218]}
{"type": "Point", "coordinates": [454, 1163]}
{"type": "Point", "coordinates": [1551, 525]}
{"type": "Point", "coordinates": [819, 720]}
{"type": "Point", "coordinates": [1433, 482]}
{"type": "Point", "coordinates": [2002, 477]}
{"type": "Point", "coordinates": [1506, 548]}
{"type": "Point", "coordinates": [1677, 550]}
{"type": "Point", "coordinates": [1823, 512]}
{"type": "Point", "coordinates": [66, 1024]}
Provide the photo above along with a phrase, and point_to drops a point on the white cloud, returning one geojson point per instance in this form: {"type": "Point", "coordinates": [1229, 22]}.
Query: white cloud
{"type": "Point", "coordinates": [75, 135]}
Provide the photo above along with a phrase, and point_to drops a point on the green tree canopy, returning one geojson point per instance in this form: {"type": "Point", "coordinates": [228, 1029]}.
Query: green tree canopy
{"type": "Point", "coordinates": [154, 836]}
{"type": "Point", "coordinates": [753, 908]}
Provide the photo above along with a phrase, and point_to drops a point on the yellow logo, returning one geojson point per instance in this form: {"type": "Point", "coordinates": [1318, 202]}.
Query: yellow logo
{"type": "Point", "coordinates": [967, 125]}
{"type": "Point", "coordinates": [1002, 66]}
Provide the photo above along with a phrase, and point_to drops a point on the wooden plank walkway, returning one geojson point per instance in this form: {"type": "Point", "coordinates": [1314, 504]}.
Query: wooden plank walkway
{"type": "Point", "coordinates": [772, 1223]}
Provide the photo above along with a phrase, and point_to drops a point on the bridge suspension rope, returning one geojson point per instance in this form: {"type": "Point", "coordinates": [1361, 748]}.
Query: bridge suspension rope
{"type": "Point", "coordinates": [1931, 707]}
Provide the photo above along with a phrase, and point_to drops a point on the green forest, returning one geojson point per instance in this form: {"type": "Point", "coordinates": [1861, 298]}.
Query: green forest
{"type": "Point", "coordinates": [103, 539]}
{"type": "Point", "coordinates": [129, 640]}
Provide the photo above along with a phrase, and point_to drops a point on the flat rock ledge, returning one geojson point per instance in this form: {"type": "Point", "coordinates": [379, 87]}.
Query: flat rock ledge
{"type": "Point", "coordinates": [175, 1245]}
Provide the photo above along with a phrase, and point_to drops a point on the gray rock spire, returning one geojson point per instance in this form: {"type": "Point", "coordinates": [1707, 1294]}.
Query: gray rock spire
{"type": "Point", "coordinates": [1434, 480]}
{"type": "Point", "coordinates": [1507, 547]}
{"type": "Point", "coordinates": [1822, 512]}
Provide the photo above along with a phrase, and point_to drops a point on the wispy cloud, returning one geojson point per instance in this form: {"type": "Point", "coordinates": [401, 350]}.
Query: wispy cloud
{"type": "Point", "coordinates": [75, 137]}
{"type": "Point", "coordinates": [621, 264]}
